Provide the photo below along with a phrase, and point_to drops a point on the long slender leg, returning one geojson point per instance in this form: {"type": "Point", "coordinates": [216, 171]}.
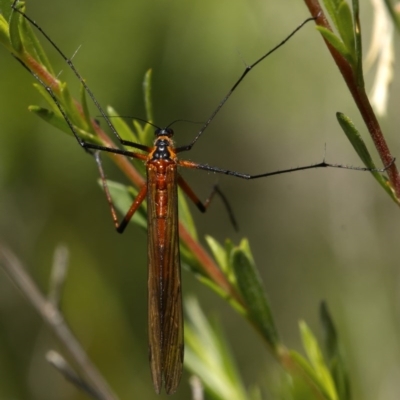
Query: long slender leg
{"type": "Point", "coordinates": [323, 164]}
{"type": "Point", "coordinates": [119, 226]}
{"type": "Point", "coordinates": [87, 146]}
{"type": "Point", "coordinates": [204, 206]}
{"type": "Point", "coordinates": [14, 6]}
{"type": "Point", "coordinates": [245, 72]}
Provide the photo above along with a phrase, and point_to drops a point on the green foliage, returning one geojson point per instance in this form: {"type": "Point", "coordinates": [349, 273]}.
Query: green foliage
{"type": "Point", "coordinates": [208, 355]}
{"type": "Point", "coordinates": [249, 284]}
{"type": "Point", "coordinates": [359, 146]}
{"type": "Point", "coordinates": [347, 45]}
{"type": "Point", "coordinates": [335, 355]}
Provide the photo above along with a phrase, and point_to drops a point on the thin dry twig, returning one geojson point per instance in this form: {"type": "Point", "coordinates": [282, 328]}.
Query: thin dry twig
{"type": "Point", "coordinates": [55, 320]}
{"type": "Point", "coordinates": [62, 366]}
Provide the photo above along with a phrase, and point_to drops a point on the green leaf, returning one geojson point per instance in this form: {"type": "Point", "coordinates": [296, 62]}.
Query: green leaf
{"type": "Point", "coordinates": [121, 126]}
{"type": "Point", "coordinates": [320, 369]}
{"type": "Point", "coordinates": [336, 362]}
{"type": "Point", "coordinates": [85, 110]}
{"type": "Point", "coordinates": [208, 356]}
{"type": "Point", "coordinates": [122, 197]}
{"type": "Point", "coordinates": [147, 133]}
{"type": "Point", "coordinates": [219, 253]}
{"type": "Point", "coordinates": [15, 35]}
{"type": "Point", "coordinates": [70, 107]}
{"type": "Point", "coordinates": [306, 369]}
{"type": "Point", "coordinates": [51, 117]}
{"type": "Point", "coordinates": [359, 146]}
{"type": "Point", "coordinates": [147, 96]}
{"type": "Point", "coordinates": [331, 6]}
{"type": "Point", "coordinates": [55, 118]}
{"type": "Point", "coordinates": [5, 34]}
{"type": "Point", "coordinates": [5, 8]}
{"type": "Point", "coordinates": [185, 216]}
{"type": "Point", "coordinates": [337, 43]}
{"type": "Point", "coordinates": [358, 45]}
{"type": "Point", "coordinates": [25, 41]}
{"type": "Point", "coordinates": [346, 28]}
{"type": "Point", "coordinates": [58, 121]}
{"type": "Point", "coordinates": [251, 288]}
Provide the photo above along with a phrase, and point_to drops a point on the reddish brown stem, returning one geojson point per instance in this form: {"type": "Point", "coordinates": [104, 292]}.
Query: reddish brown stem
{"type": "Point", "coordinates": [41, 72]}
{"type": "Point", "coordinates": [208, 265]}
{"type": "Point", "coordinates": [361, 99]}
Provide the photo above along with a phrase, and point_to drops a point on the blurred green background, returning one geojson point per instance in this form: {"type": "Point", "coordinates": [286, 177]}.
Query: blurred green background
{"type": "Point", "coordinates": [323, 234]}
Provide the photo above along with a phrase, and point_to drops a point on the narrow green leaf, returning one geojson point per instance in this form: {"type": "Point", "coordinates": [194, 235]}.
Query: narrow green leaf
{"type": "Point", "coordinates": [25, 41]}
{"type": "Point", "coordinates": [346, 28]}
{"type": "Point", "coordinates": [306, 369]}
{"type": "Point", "coordinates": [251, 288]}
{"type": "Point", "coordinates": [208, 356]}
{"type": "Point", "coordinates": [51, 117]}
{"type": "Point", "coordinates": [337, 43]}
{"type": "Point", "coordinates": [5, 34]}
{"type": "Point", "coordinates": [336, 362]}
{"type": "Point", "coordinates": [33, 46]}
{"type": "Point", "coordinates": [147, 133]}
{"type": "Point", "coordinates": [314, 354]}
{"type": "Point", "coordinates": [218, 252]}
{"type": "Point", "coordinates": [138, 132]}
{"type": "Point", "coordinates": [358, 44]}
{"type": "Point", "coordinates": [189, 262]}
{"type": "Point", "coordinates": [121, 126]}
{"type": "Point", "coordinates": [70, 106]}
{"type": "Point", "coordinates": [147, 96]}
{"type": "Point", "coordinates": [331, 6]}
{"type": "Point", "coordinates": [5, 8]}
{"type": "Point", "coordinates": [47, 97]}
{"type": "Point", "coordinates": [58, 121]}
{"type": "Point", "coordinates": [228, 269]}
{"type": "Point", "coordinates": [122, 197]}
{"type": "Point", "coordinates": [85, 110]}
{"type": "Point", "coordinates": [356, 140]}
{"type": "Point", "coordinates": [359, 146]}
{"type": "Point", "coordinates": [185, 216]}
{"type": "Point", "coordinates": [15, 35]}
{"type": "Point", "coordinates": [55, 118]}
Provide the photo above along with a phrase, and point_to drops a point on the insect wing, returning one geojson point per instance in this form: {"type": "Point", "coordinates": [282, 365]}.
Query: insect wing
{"type": "Point", "coordinates": [164, 282]}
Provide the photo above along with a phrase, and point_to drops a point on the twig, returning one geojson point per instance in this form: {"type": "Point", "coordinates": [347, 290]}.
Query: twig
{"type": "Point", "coordinates": [55, 320]}
{"type": "Point", "coordinates": [61, 365]}
{"type": "Point", "coordinates": [361, 99]}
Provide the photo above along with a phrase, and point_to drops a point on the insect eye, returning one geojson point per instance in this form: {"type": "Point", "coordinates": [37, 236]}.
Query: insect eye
{"type": "Point", "coordinates": [168, 132]}
{"type": "Point", "coordinates": [164, 132]}
{"type": "Point", "coordinates": [158, 132]}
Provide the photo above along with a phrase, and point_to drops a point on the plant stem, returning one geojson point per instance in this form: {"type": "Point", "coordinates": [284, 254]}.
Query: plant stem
{"type": "Point", "coordinates": [55, 320]}
{"type": "Point", "coordinates": [361, 99]}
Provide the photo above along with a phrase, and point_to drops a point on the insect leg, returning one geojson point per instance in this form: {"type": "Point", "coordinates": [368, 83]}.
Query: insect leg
{"type": "Point", "coordinates": [204, 206]}
{"type": "Point", "coordinates": [322, 164]}
{"type": "Point", "coordinates": [119, 226]}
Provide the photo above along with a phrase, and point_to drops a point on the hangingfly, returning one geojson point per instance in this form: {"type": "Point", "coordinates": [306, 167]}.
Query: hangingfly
{"type": "Point", "coordinates": [165, 320]}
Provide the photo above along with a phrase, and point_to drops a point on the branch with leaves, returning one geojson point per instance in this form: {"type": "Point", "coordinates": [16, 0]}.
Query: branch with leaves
{"type": "Point", "coordinates": [230, 270]}
{"type": "Point", "coordinates": [346, 50]}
